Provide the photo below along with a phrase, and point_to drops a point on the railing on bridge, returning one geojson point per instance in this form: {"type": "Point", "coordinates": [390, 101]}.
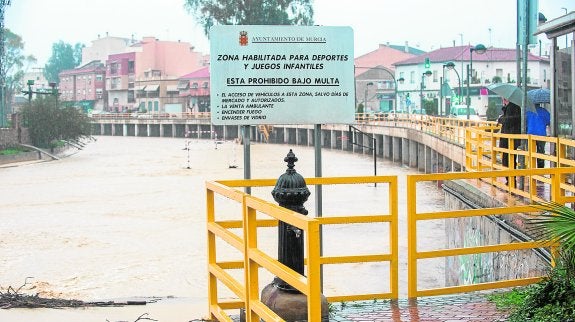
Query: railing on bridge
{"type": "Point", "coordinates": [145, 116]}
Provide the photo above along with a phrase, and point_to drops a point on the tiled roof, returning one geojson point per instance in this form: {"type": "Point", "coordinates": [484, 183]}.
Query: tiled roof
{"type": "Point", "coordinates": [203, 72]}
{"type": "Point", "coordinates": [410, 50]}
{"type": "Point", "coordinates": [91, 67]}
{"type": "Point", "coordinates": [461, 53]}
{"type": "Point", "coordinates": [384, 56]}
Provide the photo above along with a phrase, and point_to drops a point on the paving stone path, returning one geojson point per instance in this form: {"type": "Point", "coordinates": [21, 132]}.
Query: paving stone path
{"type": "Point", "coordinates": [463, 307]}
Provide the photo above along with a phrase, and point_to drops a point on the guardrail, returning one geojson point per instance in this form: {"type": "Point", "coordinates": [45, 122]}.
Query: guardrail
{"type": "Point", "coordinates": [136, 116]}
{"type": "Point", "coordinates": [483, 153]}
{"type": "Point", "coordinates": [559, 195]}
{"type": "Point", "coordinates": [246, 289]}
{"type": "Point", "coordinates": [254, 213]}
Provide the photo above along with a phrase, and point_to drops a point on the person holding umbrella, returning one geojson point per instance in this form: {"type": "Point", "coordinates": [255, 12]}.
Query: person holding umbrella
{"type": "Point", "coordinates": [510, 122]}
{"type": "Point", "coordinates": [538, 120]}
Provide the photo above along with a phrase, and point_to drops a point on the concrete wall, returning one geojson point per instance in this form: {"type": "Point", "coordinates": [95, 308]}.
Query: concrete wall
{"type": "Point", "coordinates": [491, 230]}
{"type": "Point", "coordinates": [10, 137]}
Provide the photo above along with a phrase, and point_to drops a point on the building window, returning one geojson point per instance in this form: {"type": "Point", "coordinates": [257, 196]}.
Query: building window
{"type": "Point", "coordinates": [412, 77]}
{"type": "Point", "coordinates": [99, 77]}
{"type": "Point", "coordinates": [115, 83]}
{"type": "Point", "coordinates": [131, 68]}
{"type": "Point", "coordinates": [205, 85]}
{"type": "Point", "coordinates": [194, 85]}
{"type": "Point", "coordinates": [113, 68]}
{"type": "Point", "coordinates": [435, 80]}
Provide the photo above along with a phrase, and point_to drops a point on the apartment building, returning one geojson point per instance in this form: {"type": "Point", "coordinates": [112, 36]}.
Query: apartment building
{"type": "Point", "coordinates": [194, 88]}
{"type": "Point", "coordinates": [137, 75]}
{"type": "Point", "coordinates": [84, 86]}
{"type": "Point", "coordinates": [159, 65]}
{"type": "Point", "coordinates": [120, 82]}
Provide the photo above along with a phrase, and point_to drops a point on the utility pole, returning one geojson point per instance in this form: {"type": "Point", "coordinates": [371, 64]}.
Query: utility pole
{"type": "Point", "coordinates": [3, 5]}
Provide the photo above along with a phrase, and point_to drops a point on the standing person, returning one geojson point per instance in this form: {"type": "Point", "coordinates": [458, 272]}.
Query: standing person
{"type": "Point", "coordinates": [537, 122]}
{"type": "Point", "coordinates": [510, 124]}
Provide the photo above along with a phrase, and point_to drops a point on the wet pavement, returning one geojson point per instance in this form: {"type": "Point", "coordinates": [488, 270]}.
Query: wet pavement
{"type": "Point", "coordinates": [453, 308]}
{"type": "Point", "coordinates": [462, 307]}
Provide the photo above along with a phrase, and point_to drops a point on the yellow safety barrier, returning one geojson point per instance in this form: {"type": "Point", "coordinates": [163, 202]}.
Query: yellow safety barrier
{"type": "Point", "coordinates": [560, 194]}
{"type": "Point", "coordinates": [484, 154]}
{"type": "Point", "coordinates": [483, 163]}
{"type": "Point", "coordinates": [253, 258]}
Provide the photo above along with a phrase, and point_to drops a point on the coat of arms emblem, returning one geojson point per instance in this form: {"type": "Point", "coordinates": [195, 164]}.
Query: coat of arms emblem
{"type": "Point", "coordinates": [243, 38]}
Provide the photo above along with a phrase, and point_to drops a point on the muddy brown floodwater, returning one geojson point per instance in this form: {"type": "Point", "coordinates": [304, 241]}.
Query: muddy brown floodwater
{"type": "Point", "coordinates": [124, 218]}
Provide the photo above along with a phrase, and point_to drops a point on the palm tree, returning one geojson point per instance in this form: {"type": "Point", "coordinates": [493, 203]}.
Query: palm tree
{"type": "Point", "coordinates": [557, 223]}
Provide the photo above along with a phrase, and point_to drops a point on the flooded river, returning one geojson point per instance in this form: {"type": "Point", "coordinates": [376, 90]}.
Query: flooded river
{"type": "Point", "coordinates": [125, 218]}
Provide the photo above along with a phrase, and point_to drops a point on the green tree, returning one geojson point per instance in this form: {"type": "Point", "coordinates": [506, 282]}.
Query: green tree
{"type": "Point", "coordinates": [492, 112]}
{"type": "Point", "coordinates": [430, 107]}
{"type": "Point", "coordinates": [64, 57]}
{"type": "Point", "coordinates": [14, 65]}
{"type": "Point", "coordinates": [256, 12]}
{"type": "Point", "coordinates": [48, 123]}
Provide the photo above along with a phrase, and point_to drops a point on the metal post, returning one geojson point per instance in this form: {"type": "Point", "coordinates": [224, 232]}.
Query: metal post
{"type": "Point", "coordinates": [420, 94]}
{"type": "Point", "coordinates": [318, 189]}
{"type": "Point", "coordinates": [375, 158]}
{"type": "Point", "coordinates": [441, 91]}
{"type": "Point", "coordinates": [468, 98]}
{"type": "Point", "coordinates": [247, 167]}
{"type": "Point", "coordinates": [469, 71]}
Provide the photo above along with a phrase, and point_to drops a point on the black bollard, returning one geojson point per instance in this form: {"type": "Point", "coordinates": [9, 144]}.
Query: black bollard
{"type": "Point", "coordinates": [290, 192]}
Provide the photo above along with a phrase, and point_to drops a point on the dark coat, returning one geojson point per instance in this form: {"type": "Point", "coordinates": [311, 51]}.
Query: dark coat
{"type": "Point", "coordinates": [511, 119]}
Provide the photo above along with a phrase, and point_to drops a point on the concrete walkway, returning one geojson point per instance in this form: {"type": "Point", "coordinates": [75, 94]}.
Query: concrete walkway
{"type": "Point", "coordinates": [461, 307]}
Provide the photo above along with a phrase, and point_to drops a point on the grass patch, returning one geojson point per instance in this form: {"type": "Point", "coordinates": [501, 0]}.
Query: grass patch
{"type": "Point", "coordinates": [12, 151]}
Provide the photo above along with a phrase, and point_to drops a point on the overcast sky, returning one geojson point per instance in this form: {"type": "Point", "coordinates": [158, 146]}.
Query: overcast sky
{"type": "Point", "coordinates": [425, 24]}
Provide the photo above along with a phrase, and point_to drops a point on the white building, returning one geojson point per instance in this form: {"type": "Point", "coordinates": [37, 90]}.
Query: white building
{"type": "Point", "coordinates": [450, 64]}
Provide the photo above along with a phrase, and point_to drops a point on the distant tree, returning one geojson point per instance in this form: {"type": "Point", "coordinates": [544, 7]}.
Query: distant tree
{"type": "Point", "coordinates": [430, 107]}
{"type": "Point", "coordinates": [496, 79]}
{"type": "Point", "coordinates": [14, 64]}
{"type": "Point", "coordinates": [256, 12]}
{"type": "Point", "coordinates": [492, 112]}
{"type": "Point", "coordinates": [64, 57]}
{"type": "Point", "coordinates": [48, 123]}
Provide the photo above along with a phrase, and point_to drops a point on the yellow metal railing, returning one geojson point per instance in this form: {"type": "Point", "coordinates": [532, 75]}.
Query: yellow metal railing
{"type": "Point", "coordinates": [556, 178]}
{"type": "Point", "coordinates": [483, 153]}
{"type": "Point", "coordinates": [247, 290]}
{"type": "Point", "coordinates": [448, 128]}
{"type": "Point", "coordinates": [483, 163]}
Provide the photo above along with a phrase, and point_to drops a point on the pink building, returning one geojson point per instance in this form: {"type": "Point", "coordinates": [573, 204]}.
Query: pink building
{"type": "Point", "coordinates": [120, 82]}
{"type": "Point", "coordinates": [195, 88]}
{"type": "Point", "coordinates": [159, 65]}
{"type": "Point", "coordinates": [84, 86]}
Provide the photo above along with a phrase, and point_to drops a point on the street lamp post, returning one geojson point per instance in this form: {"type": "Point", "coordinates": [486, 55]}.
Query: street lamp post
{"type": "Point", "coordinates": [480, 49]}
{"type": "Point", "coordinates": [426, 73]}
{"type": "Point", "coordinates": [566, 40]}
{"type": "Point", "coordinates": [365, 100]}
{"type": "Point", "coordinates": [451, 66]}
